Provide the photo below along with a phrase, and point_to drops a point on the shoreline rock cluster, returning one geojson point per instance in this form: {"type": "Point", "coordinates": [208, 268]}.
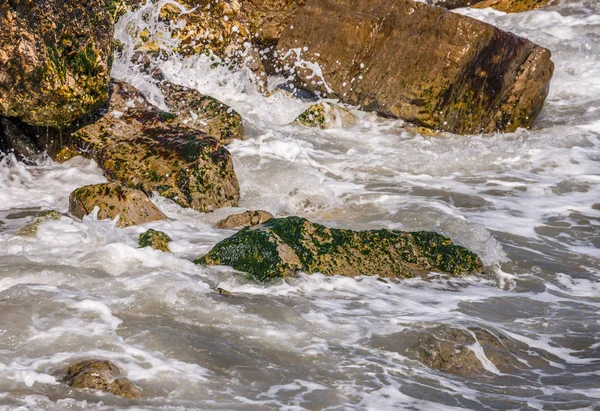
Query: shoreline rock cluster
{"type": "Point", "coordinates": [57, 96]}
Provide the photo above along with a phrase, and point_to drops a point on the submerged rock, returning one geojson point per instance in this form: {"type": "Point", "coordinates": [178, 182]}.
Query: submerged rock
{"type": "Point", "coordinates": [31, 228]}
{"type": "Point", "coordinates": [283, 246]}
{"type": "Point", "coordinates": [12, 138]}
{"type": "Point", "coordinates": [114, 199]}
{"type": "Point", "coordinates": [247, 219]}
{"type": "Point", "coordinates": [55, 59]}
{"type": "Point", "coordinates": [100, 375]}
{"type": "Point", "coordinates": [146, 148]}
{"type": "Point", "coordinates": [325, 116]}
{"type": "Point", "coordinates": [465, 77]}
{"type": "Point", "coordinates": [155, 239]}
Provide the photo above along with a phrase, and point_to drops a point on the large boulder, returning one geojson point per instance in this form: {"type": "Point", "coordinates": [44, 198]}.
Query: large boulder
{"type": "Point", "coordinates": [55, 59]}
{"type": "Point", "coordinates": [419, 63]}
{"type": "Point", "coordinates": [282, 246]}
{"type": "Point", "coordinates": [113, 199]}
{"type": "Point", "coordinates": [268, 18]}
{"type": "Point", "coordinates": [143, 147]}
{"type": "Point", "coordinates": [100, 375]}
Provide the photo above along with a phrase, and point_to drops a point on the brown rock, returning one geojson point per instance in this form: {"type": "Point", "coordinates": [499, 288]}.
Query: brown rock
{"type": "Point", "coordinates": [55, 59]}
{"type": "Point", "coordinates": [509, 6]}
{"type": "Point", "coordinates": [148, 149]}
{"type": "Point", "coordinates": [247, 219]}
{"type": "Point", "coordinates": [113, 199]}
{"type": "Point", "coordinates": [100, 375]}
{"type": "Point", "coordinates": [423, 64]}
{"type": "Point", "coordinates": [268, 18]}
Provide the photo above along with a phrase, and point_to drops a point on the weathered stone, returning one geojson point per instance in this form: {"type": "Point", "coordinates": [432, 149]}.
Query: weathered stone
{"type": "Point", "coordinates": [325, 116]}
{"type": "Point", "coordinates": [197, 111]}
{"type": "Point", "coordinates": [155, 239]}
{"type": "Point", "coordinates": [509, 6]}
{"type": "Point", "coordinates": [31, 228]}
{"type": "Point", "coordinates": [12, 138]}
{"type": "Point", "coordinates": [268, 18]}
{"type": "Point", "coordinates": [282, 246]}
{"type": "Point", "coordinates": [465, 76]}
{"type": "Point", "coordinates": [148, 149]}
{"type": "Point", "coordinates": [247, 219]}
{"type": "Point", "coordinates": [100, 375]}
{"type": "Point", "coordinates": [55, 59]}
{"type": "Point", "coordinates": [114, 199]}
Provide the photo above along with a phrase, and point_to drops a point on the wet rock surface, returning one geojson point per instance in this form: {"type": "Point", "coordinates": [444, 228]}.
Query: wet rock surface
{"type": "Point", "coordinates": [100, 375]}
{"type": "Point", "coordinates": [31, 229]}
{"type": "Point", "coordinates": [148, 149]}
{"type": "Point", "coordinates": [155, 239]}
{"type": "Point", "coordinates": [326, 116]}
{"type": "Point", "coordinates": [246, 219]}
{"type": "Point", "coordinates": [465, 77]}
{"type": "Point", "coordinates": [113, 199]}
{"type": "Point", "coordinates": [280, 247]}
{"type": "Point", "coordinates": [55, 59]}
{"type": "Point", "coordinates": [14, 139]}
{"type": "Point", "coordinates": [509, 6]}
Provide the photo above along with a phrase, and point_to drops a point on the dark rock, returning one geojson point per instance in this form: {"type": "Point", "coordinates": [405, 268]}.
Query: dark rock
{"type": "Point", "coordinates": [282, 246]}
{"type": "Point", "coordinates": [113, 199]}
{"type": "Point", "coordinates": [13, 138]}
{"type": "Point", "coordinates": [465, 76]}
{"type": "Point", "coordinates": [100, 375]}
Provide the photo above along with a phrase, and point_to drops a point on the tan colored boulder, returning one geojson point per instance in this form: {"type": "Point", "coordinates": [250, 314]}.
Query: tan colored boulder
{"type": "Point", "coordinates": [155, 239]}
{"type": "Point", "coordinates": [326, 116]}
{"type": "Point", "coordinates": [100, 375]}
{"type": "Point", "coordinates": [423, 64]}
{"type": "Point", "coordinates": [113, 199]}
{"type": "Point", "coordinates": [268, 18]}
{"type": "Point", "coordinates": [55, 59]}
{"type": "Point", "coordinates": [282, 246]}
{"type": "Point", "coordinates": [148, 149]}
{"type": "Point", "coordinates": [247, 219]}
{"type": "Point", "coordinates": [511, 6]}
{"type": "Point", "coordinates": [31, 228]}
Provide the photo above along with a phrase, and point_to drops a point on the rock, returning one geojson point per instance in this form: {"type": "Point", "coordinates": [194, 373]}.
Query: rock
{"type": "Point", "coordinates": [466, 76]}
{"type": "Point", "coordinates": [31, 229]}
{"type": "Point", "coordinates": [282, 246]}
{"type": "Point", "coordinates": [247, 219]}
{"type": "Point", "coordinates": [325, 116]}
{"type": "Point", "coordinates": [509, 6]}
{"type": "Point", "coordinates": [12, 138]}
{"type": "Point", "coordinates": [55, 59]}
{"type": "Point", "coordinates": [197, 111]}
{"type": "Point", "coordinates": [155, 239]}
{"type": "Point", "coordinates": [148, 149]}
{"type": "Point", "coordinates": [268, 18]}
{"type": "Point", "coordinates": [113, 199]}
{"type": "Point", "coordinates": [100, 375]}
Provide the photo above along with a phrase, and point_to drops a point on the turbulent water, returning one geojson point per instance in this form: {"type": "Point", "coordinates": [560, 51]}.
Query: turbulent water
{"type": "Point", "coordinates": [527, 202]}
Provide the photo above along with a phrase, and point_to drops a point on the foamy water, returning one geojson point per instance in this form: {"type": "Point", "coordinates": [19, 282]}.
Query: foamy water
{"type": "Point", "coordinates": [527, 202]}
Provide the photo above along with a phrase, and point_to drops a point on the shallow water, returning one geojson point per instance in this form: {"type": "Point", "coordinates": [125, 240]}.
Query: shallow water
{"type": "Point", "coordinates": [527, 202]}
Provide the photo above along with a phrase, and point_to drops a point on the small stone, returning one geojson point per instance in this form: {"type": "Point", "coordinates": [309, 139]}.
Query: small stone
{"type": "Point", "coordinates": [326, 116]}
{"type": "Point", "coordinates": [114, 199]}
{"type": "Point", "coordinates": [100, 375]}
{"type": "Point", "coordinates": [155, 239]}
{"type": "Point", "coordinates": [31, 229]}
{"type": "Point", "coordinates": [247, 219]}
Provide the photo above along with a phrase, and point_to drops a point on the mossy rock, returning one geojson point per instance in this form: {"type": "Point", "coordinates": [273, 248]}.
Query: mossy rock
{"type": "Point", "coordinates": [155, 239]}
{"type": "Point", "coordinates": [31, 229]}
{"type": "Point", "coordinates": [114, 199]}
{"type": "Point", "coordinates": [100, 375]}
{"type": "Point", "coordinates": [283, 246]}
{"type": "Point", "coordinates": [326, 116]}
{"type": "Point", "coordinates": [55, 59]}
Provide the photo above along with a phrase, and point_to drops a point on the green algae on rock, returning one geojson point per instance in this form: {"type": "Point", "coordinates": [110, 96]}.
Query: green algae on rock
{"type": "Point", "coordinates": [31, 228]}
{"type": "Point", "coordinates": [155, 239]}
{"type": "Point", "coordinates": [326, 116]}
{"type": "Point", "coordinates": [100, 375]}
{"type": "Point", "coordinates": [55, 59]}
{"type": "Point", "coordinates": [114, 199]}
{"type": "Point", "coordinates": [280, 247]}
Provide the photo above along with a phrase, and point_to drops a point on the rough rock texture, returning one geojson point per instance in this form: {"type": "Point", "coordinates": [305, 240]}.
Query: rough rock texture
{"type": "Point", "coordinates": [268, 18]}
{"type": "Point", "coordinates": [247, 219]}
{"type": "Point", "coordinates": [423, 64]}
{"type": "Point", "coordinates": [325, 116]}
{"type": "Point", "coordinates": [14, 139]}
{"type": "Point", "coordinates": [100, 375]}
{"type": "Point", "coordinates": [114, 199]}
{"type": "Point", "coordinates": [155, 239]}
{"type": "Point", "coordinates": [282, 246]}
{"type": "Point", "coordinates": [31, 228]}
{"type": "Point", "coordinates": [509, 6]}
{"type": "Point", "coordinates": [55, 59]}
{"type": "Point", "coordinates": [148, 149]}
{"type": "Point", "coordinates": [197, 111]}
